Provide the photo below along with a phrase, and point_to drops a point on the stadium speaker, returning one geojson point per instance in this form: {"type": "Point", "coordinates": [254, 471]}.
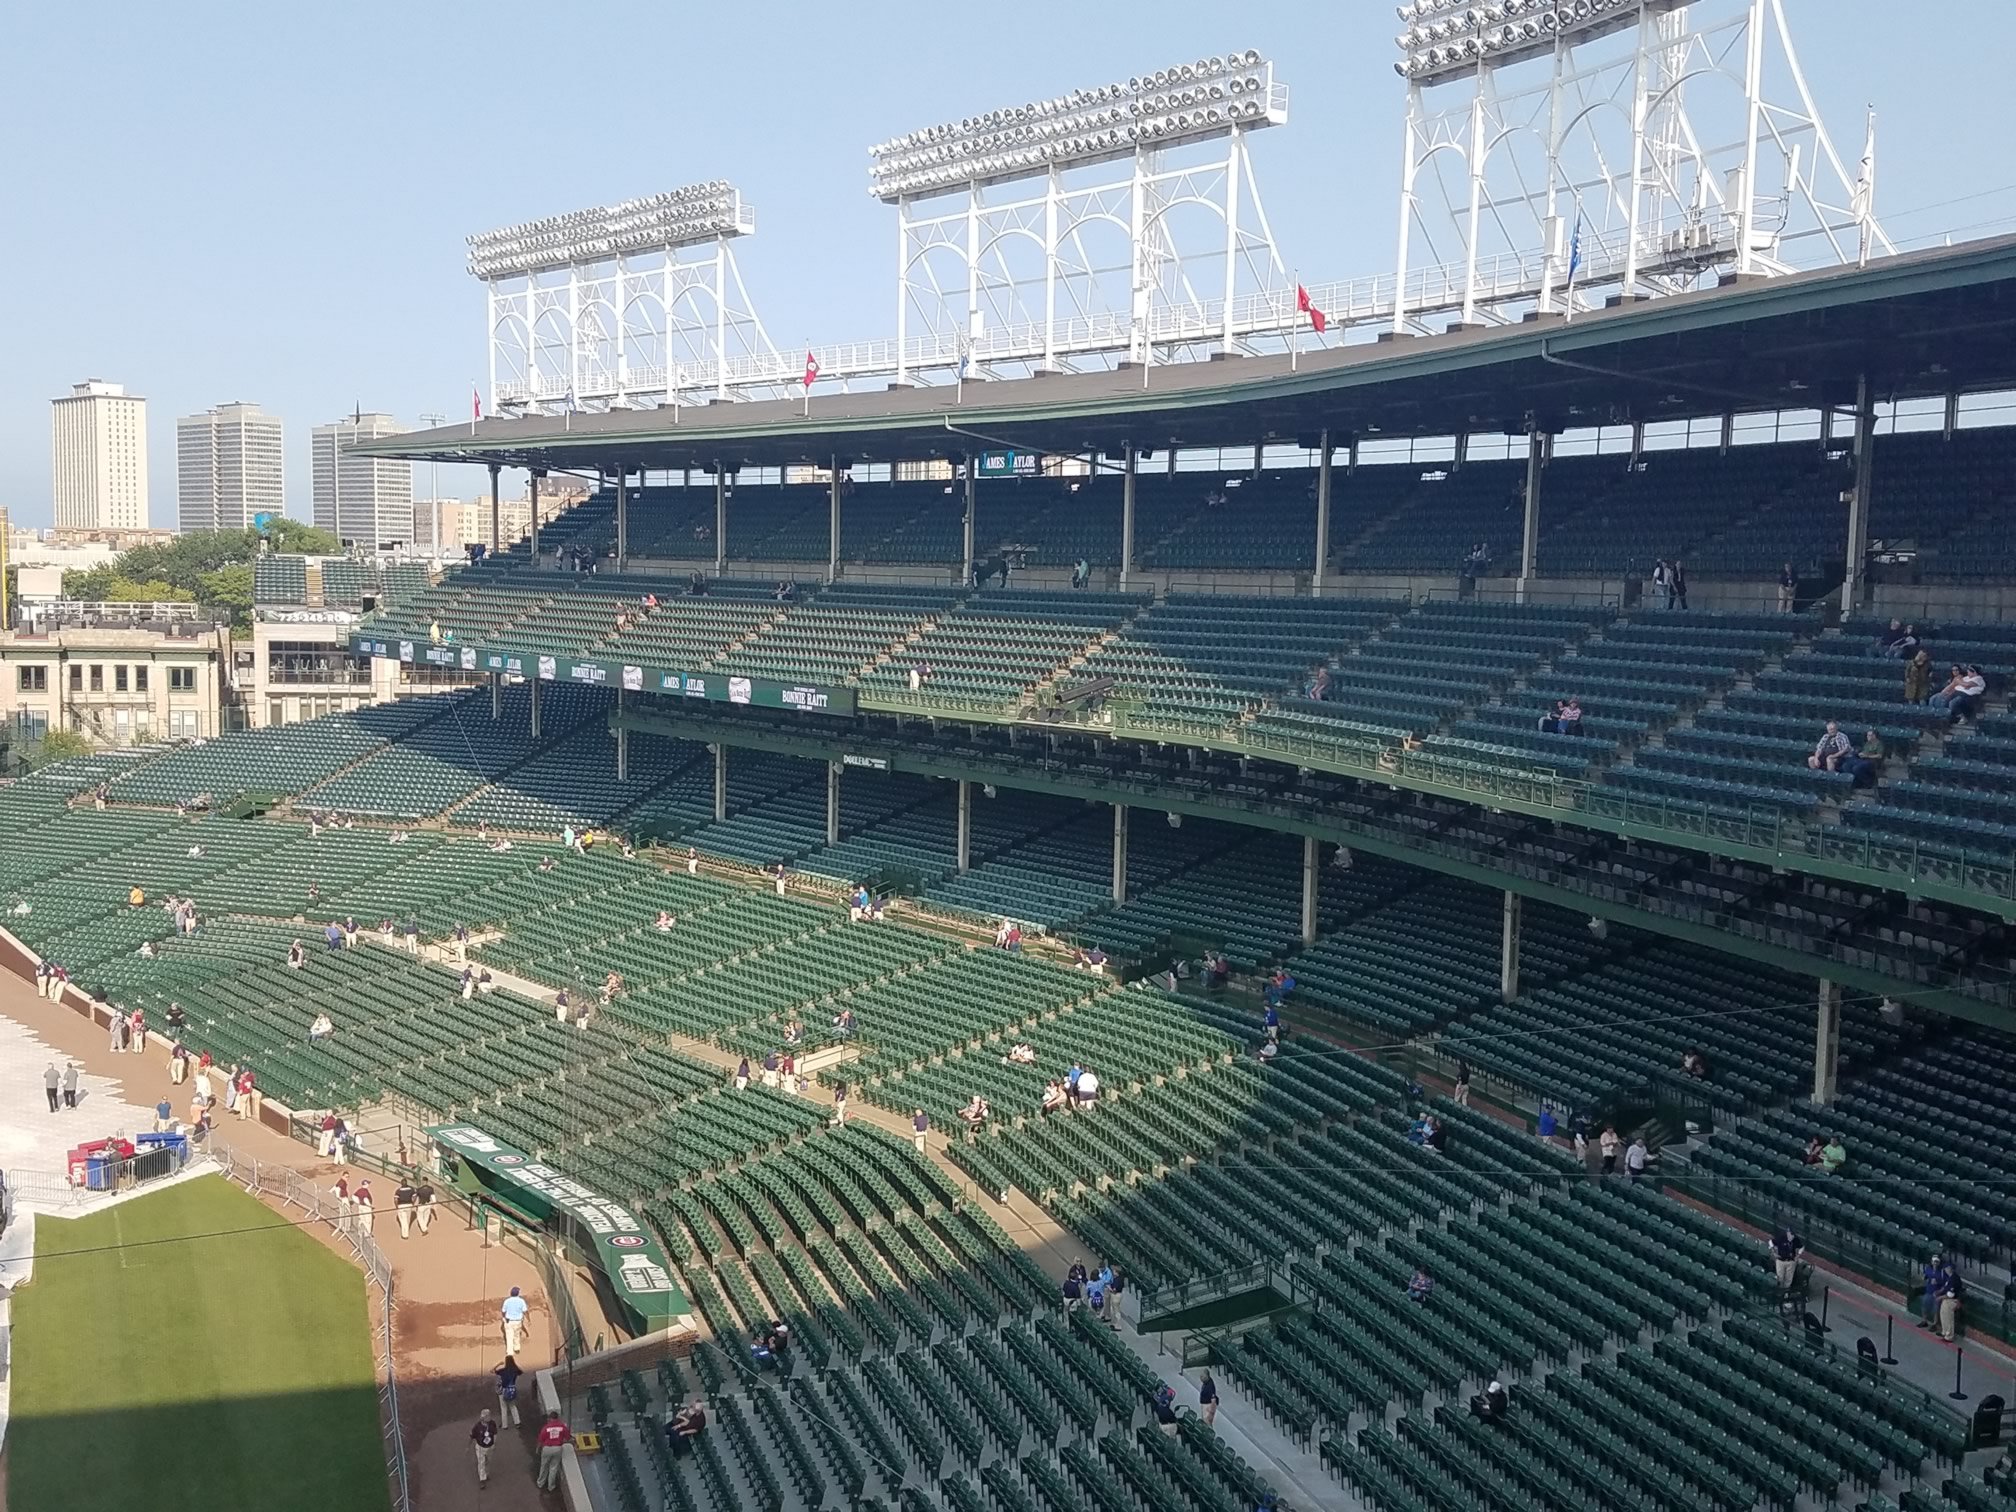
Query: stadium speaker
{"type": "Point", "coordinates": [1308, 441]}
{"type": "Point", "coordinates": [843, 463]}
{"type": "Point", "coordinates": [1116, 454]}
{"type": "Point", "coordinates": [370, 602]}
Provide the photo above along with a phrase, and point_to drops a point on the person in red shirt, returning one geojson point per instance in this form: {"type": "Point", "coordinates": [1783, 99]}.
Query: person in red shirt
{"type": "Point", "coordinates": [248, 1095]}
{"type": "Point", "coordinates": [553, 1437]}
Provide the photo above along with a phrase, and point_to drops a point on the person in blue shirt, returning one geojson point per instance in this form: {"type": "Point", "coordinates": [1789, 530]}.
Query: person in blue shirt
{"type": "Point", "coordinates": [1273, 1021]}
{"type": "Point", "coordinates": [1934, 1271]}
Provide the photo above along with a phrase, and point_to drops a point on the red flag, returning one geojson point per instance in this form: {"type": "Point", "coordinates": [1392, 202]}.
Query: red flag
{"type": "Point", "coordinates": [475, 404]}
{"type": "Point", "coordinates": [811, 369]}
{"type": "Point", "coordinates": [1317, 318]}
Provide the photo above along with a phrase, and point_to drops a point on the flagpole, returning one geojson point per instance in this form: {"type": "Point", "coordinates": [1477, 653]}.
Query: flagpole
{"type": "Point", "coordinates": [808, 378]}
{"type": "Point", "coordinates": [1295, 330]}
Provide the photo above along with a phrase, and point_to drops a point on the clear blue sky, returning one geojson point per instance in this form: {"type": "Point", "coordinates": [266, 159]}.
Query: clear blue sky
{"type": "Point", "coordinates": [216, 200]}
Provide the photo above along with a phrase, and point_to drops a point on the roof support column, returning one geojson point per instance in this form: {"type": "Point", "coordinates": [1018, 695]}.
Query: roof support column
{"type": "Point", "coordinates": [832, 803]}
{"type": "Point", "coordinates": [1852, 583]}
{"type": "Point", "coordinates": [1311, 877]}
{"type": "Point", "coordinates": [966, 555]}
{"type": "Point", "coordinates": [1508, 949]}
{"type": "Point", "coordinates": [720, 782]}
{"type": "Point", "coordinates": [833, 527]}
{"type": "Point", "coordinates": [1538, 444]}
{"type": "Point", "coordinates": [622, 744]}
{"type": "Point", "coordinates": [622, 516]}
{"type": "Point", "coordinates": [1952, 415]}
{"type": "Point", "coordinates": [965, 825]}
{"type": "Point", "coordinates": [1728, 434]}
{"type": "Point", "coordinates": [496, 696]}
{"type": "Point", "coordinates": [532, 492]}
{"type": "Point", "coordinates": [535, 708]}
{"type": "Point", "coordinates": [1127, 520]}
{"type": "Point", "coordinates": [1322, 514]}
{"type": "Point", "coordinates": [720, 522]}
{"type": "Point", "coordinates": [1827, 1041]}
{"type": "Point", "coordinates": [496, 470]}
{"type": "Point", "coordinates": [1119, 853]}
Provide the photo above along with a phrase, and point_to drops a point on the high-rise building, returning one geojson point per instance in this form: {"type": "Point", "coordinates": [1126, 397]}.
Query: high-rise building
{"type": "Point", "coordinates": [363, 499]}
{"type": "Point", "coordinates": [98, 457]}
{"type": "Point", "coordinates": [229, 467]}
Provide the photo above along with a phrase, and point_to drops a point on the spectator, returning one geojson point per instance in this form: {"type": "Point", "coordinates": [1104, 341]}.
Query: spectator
{"type": "Point", "coordinates": [1073, 1289]}
{"type": "Point", "coordinates": [920, 1129]}
{"type": "Point", "coordinates": [321, 1029]}
{"type": "Point", "coordinates": [1949, 1304]}
{"type": "Point", "coordinates": [1830, 750]}
{"type": "Point", "coordinates": [1081, 573]}
{"type": "Point", "coordinates": [1607, 1143]}
{"type": "Point", "coordinates": [1491, 1404]}
{"type": "Point", "coordinates": [1437, 1138]}
{"type": "Point", "coordinates": [1890, 640]}
{"type": "Point", "coordinates": [507, 1376]}
{"type": "Point", "coordinates": [1694, 1064]}
{"type": "Point", "coordinates": [1678, 578]}
{"type": "Point", "coordinates": [1088, 1088]}
{"type": "Point", "coordinates": [1788, 588]}
{"type": "Point", "coordinates": [1462, 1084]}
{"type": "Point", "coordinates": [1165, 1412]}
{"type": "Point", "coordinates": [1863, 766]}
{"type": "Point", "coordinates": [1548, 1124]}
{"type": "Point", "coordinates": [1833, 1155]}
{"type": "Point", "coordinates": [839, 1102]}
{"type": "Point", "coordinates": [1635, 1158]}
{"type": "Point", "coordinates": [1962, 691]}
{"type": "Point", "coordinates": [1918, 677]}
{"type": "Point", "coordinates": [1319, 685]}
{"type": "Point", "coordinates": [1420, 1285]}
{"type": "Point", "coordinates": [1787, 1250]}
{"type": "Point", "coordinates": [1566, 718]}
{"type": "Point", "coordinates": [1813, 1148]}
{"type": "Point", "coordinates": [1934, 1272]}
{"type": "Point", "coordinates": [295, 956]}
{"type": "Point", "coordinates": [742, 1075]}
{"type": "Point", "coordinates": [1053, 1098]}
{"type": "Point", "coordinates": [685, 1427]}
{"type": "Point", "coordinates": [1207, 1399]}
{"type": "Point", "coordinates": [1662, 583]}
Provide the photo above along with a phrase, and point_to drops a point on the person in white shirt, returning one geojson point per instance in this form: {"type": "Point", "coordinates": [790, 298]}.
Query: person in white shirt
{"type": "Point", "coordinates": [1088, 1088]}
{"type": "Point", "coordinates": [1963, 689]}
{"type": "Point", "coordinates": [1635, 1157]}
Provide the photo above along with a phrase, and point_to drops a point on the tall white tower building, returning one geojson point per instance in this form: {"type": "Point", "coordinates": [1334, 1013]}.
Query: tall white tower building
{"type": "Point", "coordinates": [229, 468]}
{"type": "Point", "coordinates": [98, 457]}
{"type": "Point", "coordinates": [362, 499]}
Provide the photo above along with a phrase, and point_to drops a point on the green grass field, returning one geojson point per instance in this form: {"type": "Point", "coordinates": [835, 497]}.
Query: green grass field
{"type": "Point", "coordinates": [196, 1373]}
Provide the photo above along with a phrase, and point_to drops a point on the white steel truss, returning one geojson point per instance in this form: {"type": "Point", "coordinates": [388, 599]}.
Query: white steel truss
{"type": "Point", "coordinates": [1641, 160]}
{"type": "Point", "coordinates": [628, 332]}
{"type": "Point", "coordinates": [1086, 265]}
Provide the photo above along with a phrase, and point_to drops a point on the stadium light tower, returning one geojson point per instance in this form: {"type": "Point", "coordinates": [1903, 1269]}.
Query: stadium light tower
{"type": "Point", "coordinates": [1566, 148]}
{"type": "Point", "coordinates": [1109, 221]}
{"type": "Point", "coordinates": [621, 306]}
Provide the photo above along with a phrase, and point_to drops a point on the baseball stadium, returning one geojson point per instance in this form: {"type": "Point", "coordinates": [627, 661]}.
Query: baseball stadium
{"type": "Point", "coordinates": [1172, 890]}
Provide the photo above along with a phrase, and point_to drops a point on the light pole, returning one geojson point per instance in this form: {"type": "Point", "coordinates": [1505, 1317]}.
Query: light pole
{"type": "Point", "coordinates": [434, 483]}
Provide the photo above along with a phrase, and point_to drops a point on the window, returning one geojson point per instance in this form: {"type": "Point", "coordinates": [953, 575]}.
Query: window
{"type": "Point", "coordinates": [139, 679]}
{"type": "Point", "coordinates": [181, 679]}
{"type": "Point", "coordinates": [276, 712]}
{"type": "Point", "coordinates": [76, 678]}
{"type": "Point", "coordinates": [119, 679]}
{"type": "Point", "coordinates": [32, 679]}
{"type": "Point", "coordinates": [182, 725]}
{"type": "Point", "coordinates": [97, 678]}
{"type": "Point", "coordinates": [31, 724]}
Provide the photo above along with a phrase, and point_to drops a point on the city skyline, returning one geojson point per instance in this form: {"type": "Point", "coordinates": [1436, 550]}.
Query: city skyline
{"type": "Point", "coordinates": [301, 297]}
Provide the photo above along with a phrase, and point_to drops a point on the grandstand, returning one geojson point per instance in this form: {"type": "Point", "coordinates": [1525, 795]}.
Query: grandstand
{"type": "Point", "coordinates": [1292, 711]}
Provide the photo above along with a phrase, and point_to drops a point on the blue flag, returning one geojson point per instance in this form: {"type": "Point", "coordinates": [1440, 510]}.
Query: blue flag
{"type": "Point", "coordinates": [1575, 250]}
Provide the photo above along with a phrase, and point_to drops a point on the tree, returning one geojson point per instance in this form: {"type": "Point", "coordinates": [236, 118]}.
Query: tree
{"type": "Point", "coordinates": [228, 589]}
{"type": "Point", "coordinates": [209, 567]}
{"type": "Point", "coordinates": [61, 745]}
